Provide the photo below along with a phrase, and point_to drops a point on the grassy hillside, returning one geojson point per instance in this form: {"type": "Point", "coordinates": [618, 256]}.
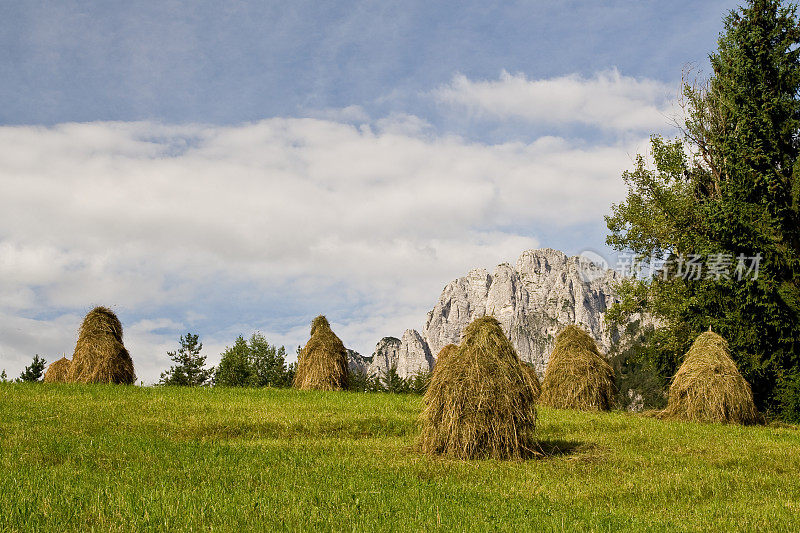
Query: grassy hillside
{"type": "Point", "coordinates": [128, 458]}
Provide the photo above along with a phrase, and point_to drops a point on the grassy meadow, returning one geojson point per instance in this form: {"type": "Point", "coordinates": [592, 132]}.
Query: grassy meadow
{"type": "Point", "coordinates": [115, 458]}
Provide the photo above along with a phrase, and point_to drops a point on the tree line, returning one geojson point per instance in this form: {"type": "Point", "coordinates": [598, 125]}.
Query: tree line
{"type": "Point", "coordinates": [248, 363]}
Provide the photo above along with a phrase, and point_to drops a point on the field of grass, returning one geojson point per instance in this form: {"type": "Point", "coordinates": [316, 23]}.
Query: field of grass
{"type": "Point", "coordinates": [82, 458]}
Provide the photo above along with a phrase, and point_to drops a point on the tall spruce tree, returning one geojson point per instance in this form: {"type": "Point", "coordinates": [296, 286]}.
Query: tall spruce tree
{"type": "Point", "coordinates": [736, 196]}
{"type": "Point", "coordinates": [189, 369]}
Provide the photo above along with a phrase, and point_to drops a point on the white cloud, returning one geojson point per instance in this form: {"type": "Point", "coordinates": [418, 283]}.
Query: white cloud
{"type": "Point", "coordinates": [354, 114]}
{"type": "Point", "coordinates": [609, 100]}
{"type": "Point", "coordinates": [170, 223]}
{"type": "Point", "coordinates": [21, 338]}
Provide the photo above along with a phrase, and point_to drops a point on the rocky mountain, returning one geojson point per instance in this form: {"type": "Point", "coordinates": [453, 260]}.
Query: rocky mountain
{"type": "Point", "coordinates": [409, 355]}
{"type": "Point", "coordinates": [533, 300]}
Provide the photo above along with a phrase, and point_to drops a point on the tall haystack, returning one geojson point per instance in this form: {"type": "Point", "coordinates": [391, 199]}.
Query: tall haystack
{"type": "Point", "coordinates": [709, 388]}
{"type": "Point", "coordinates": [533, 379]}
{"type": "Point", "coordinates": [322, 363]}
{"type": "Point", "coordinates": [58, 371]}
{"type": "Point", "coordinates": [100, 356]}
{"type": "Point", "coordinates": [577, 375]}
{"type": "Point", "coordinates": [479, 404]}
{"type": "Point", "coordinates": [445, 353]}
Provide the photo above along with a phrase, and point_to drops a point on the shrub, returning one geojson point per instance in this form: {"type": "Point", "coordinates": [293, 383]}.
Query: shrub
{"type": "Point", "coordinates": [789, 397]}
{"type": "Point", "coordinates": [254, 364]}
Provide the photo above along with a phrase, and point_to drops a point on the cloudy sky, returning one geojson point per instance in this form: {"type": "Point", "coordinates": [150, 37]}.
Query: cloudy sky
{"type": "Point", "coordinates": [231, 167]}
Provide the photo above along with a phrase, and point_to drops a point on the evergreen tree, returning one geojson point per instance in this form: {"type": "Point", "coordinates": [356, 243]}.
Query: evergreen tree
{"type": "Point", "coordinates": [34, 371]}
{"type": "Point", "coordinates": [736, 197]}
{"type": "Point", "coordinates": [357, 381]}
{"type": "Point", "coordinates": [392, 382]}
{"type": "Point", "coordinates": [3, 376]}
{"type": "Point", "coordinates": [361, 381]}
{"type": "Point", "coordinates": [419, 382]}
{"type": "Point", "coordinates": [189, 370]}
{"type": "Point", "coordinates": [291, 369]}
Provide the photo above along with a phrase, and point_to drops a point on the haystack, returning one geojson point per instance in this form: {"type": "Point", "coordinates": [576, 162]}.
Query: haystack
{"type": "Point", "coordinates": [480, 404]}
{"type": "Point", "coordinates": [533, 379]}
{"type": "Point", "coordinates": [577, 375]}
{"type": "Point", "coordinates": [58, 371]}
{"type": "Point", "coordinates": [444, 354]}
{"type": "Point", "coordinates": [100, 356]}
{"type": "Point", "coordinates": [709, 388]}
{"type": "Point", "coordinates": [322, 363]}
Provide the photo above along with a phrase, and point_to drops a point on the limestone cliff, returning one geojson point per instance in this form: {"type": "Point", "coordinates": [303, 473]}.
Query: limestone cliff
{"type": "Point", "coordinates": [533, 300]}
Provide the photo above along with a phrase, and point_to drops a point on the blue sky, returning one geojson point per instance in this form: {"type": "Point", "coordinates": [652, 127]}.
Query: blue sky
{"type": "Point", "coordinates": [227, 167]}
{"type": "Point", "coordinates": [232, 62]}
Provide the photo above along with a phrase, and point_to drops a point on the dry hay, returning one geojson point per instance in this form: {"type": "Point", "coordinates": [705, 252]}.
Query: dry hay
{"type": "Point", "coordinates": [58, 371]}
{"type": "Point", "coordinates": [709, 388]}
{"type": "Point", "coordinates": [322, 363]}
{"type": "Point", "coordinates": [100, 356]}
{"type": "Point", "coordinates": [578, 376]}
{"type": "Point", "coordinates": [444, 354]}
{"type": "Point", "coordinates": [480, 404]}
{"type": "Point", "coordinates": [533, 379]}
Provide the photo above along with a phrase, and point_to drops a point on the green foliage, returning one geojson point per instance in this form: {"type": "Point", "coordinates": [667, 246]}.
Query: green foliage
{"type": "Point", "coordinates": [189, 370]}
{"type": "Point", "coordinates": [291, 369]}
{"type": "Point", "coordinates": [392, 382]}
{"type": "Point", "coordinates": [235, 368]}
{"type": "Point", "coordinates": [254, 364]}
{"type": "Point", "coordinates": [360, 381]}
{"type": "Point", "coordinates": [665, 298]}
{"type": "Point", "coordinates": [418, 383]}
{"type": "Point", "coordinates": [737, 194]}
{"type": "Point", "coordinates": [659, 213]}
{"type": "Point", "coordinates": [3, 376]}
{"type": "Point", "coordinates": [34, 371]}
{"type": "Point", "coordinates": [640, 385]}
{"type": "Point", "coordinates": [789, 397]}
{"type": "Point", "coordinates": [269, 363]}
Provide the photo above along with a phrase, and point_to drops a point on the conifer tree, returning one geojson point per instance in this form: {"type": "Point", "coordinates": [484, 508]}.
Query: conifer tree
{"type": "Point", "coordinates": [189, 369]}
{"type": "Point", "coordinates": [34, 371]}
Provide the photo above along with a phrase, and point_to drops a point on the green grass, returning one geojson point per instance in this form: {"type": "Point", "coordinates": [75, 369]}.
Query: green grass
{"type": "Point", "coordinates": [85, 458]}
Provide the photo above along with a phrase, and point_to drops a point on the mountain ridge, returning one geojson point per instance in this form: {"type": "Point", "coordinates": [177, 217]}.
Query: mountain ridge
{"type": "Point", "coordinates": [533, 300]}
